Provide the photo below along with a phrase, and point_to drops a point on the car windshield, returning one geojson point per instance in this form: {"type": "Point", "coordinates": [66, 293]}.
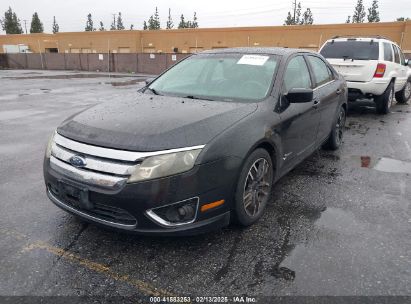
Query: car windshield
{"type": "Point", "coordinates": [227, 77]}
{"type": "Point", "coordinates": [351, 49]}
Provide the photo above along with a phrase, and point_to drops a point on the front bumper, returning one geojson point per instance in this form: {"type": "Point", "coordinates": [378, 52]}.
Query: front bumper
{"type": "Point", "coordinates": [209, 182]}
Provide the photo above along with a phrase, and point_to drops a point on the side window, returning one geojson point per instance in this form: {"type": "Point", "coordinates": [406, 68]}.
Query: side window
{"type": "Point", "coordinates": [396, 54]}
{"type": "Point", "coordinates": [321, 71]}
{"type": "Point", "coordinates": [297, 74]}
{"type": "Point", "coordinates": [402, 58]}
{"type": "Point", "coordinates": [387, 51]}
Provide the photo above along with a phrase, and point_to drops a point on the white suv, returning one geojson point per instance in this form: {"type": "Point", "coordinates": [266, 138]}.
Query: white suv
{"type": "Point", "coordinates": [374, 67]}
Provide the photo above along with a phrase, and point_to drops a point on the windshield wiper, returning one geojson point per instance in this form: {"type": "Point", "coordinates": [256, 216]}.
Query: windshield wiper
{"type": "Point", "coordinates": [347, 57]}
{"type": "Point", "coordinates": [153, 91]}
{"type": "Point", "coordinates": [197, 97]}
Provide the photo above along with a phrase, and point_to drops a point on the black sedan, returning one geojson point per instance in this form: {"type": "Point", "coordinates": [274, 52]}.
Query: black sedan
{"type": "Point", "coordinates": [201, 145]}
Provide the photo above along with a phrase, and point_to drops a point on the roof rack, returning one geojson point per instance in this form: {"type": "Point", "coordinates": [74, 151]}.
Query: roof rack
{"type": "Point", "coordinates": [367, 36]}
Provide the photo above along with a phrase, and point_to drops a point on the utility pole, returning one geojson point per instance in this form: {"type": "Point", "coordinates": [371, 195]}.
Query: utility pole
{"type": "Point", "coordinates": [25, 25]}
{"type": "Point", "coordinates": [295, 9]}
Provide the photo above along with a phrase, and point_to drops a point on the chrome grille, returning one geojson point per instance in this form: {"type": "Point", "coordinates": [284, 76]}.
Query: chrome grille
{"type": "Point", "coordinates": [104, 168]}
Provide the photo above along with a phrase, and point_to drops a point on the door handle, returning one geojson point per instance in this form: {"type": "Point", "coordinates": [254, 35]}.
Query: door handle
{"type": "Point", "coordinates": [338, 91]}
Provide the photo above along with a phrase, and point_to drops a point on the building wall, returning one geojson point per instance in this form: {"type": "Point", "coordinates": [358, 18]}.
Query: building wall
{"type": "Point", "coordinates": [193, 40]}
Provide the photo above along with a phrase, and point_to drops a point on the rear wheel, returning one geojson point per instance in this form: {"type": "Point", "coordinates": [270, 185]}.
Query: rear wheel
{"type": "Point", "coordinates": [254, 187]}
{"type": "Point", "coordinates": [337, 133]}
{"type": "Point", "coordinates": [404, 95]}
{"type": "Point", "coordinates": [385, 101]}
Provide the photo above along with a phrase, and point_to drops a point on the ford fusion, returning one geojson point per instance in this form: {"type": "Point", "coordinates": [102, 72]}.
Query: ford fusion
{"type": "Point", "coordinates": [201, 145]}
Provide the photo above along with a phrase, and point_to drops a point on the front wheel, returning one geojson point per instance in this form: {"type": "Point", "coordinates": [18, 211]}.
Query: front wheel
{"type": "Point", "coordinates": [254, 187]}
{"type": "Point", "coordinates": [404, 95]}
{"type": "Point", "coordinates": [336, 135]}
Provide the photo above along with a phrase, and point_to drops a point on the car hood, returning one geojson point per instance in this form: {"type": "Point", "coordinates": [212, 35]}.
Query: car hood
{"type": "Point", "coordinates": [151, 122]}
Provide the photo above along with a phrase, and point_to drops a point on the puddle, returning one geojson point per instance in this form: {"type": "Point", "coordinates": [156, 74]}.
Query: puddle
{"type": "Point", "coordinates": [13, 114]}
{"type": "Point", "coordinates": [75, 76]}
{"type": "Point", "coordinates": [124, 83]}
{"type": "Point", "coordinates": [339, 220]}
{"type": "Point", "coordinates": [383, 164]}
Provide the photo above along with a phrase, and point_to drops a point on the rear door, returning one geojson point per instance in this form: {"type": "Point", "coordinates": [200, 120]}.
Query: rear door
{"type": "Point", "coordinates": [300, 121]}
{"type": "Point", "coordinates": [327, 93]}
{"type": "Point", "coordinates": [355, 59]}
{"type": "Point", "coordinates": [400, 68]}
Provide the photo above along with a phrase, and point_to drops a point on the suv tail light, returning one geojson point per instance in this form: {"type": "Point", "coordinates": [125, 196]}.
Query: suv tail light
{"type": "Point", "coordinates": [379, 72]}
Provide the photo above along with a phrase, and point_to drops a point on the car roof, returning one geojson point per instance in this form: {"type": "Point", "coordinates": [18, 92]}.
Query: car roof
{"type": "Point", "coordinates": [361, 38]}
{"type": "Point", "coordinates": [257, 50]}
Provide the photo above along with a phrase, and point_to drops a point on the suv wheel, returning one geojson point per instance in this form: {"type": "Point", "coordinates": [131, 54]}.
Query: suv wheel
{"type": "Point", "coordinates": [254, 187]}
{"type": "Point", "coordinates": [405, 94]}
{"type": "Point", "coordinates": [384, 101]}
{"type": "Point", "coordinates": [336, 136]}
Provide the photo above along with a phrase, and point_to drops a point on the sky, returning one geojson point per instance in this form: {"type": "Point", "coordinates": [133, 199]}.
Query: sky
{"type": "Point", "coordinates": [71, 15]}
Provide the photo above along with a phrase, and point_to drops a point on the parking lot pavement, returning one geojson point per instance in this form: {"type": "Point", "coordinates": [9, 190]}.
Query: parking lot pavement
{"type": "Point", "coordinates": [338, 224]}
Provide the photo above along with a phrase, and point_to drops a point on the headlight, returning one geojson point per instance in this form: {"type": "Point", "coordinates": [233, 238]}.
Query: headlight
{"type": "Point", "coordinates": [50, 144]}
{"type": "Point", "coordinates": [164, 165]}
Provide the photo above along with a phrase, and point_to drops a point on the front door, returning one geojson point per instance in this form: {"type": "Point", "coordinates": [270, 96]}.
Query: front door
{"type": "Point", "coordinates": [327, 93]}
{"type": "Point", "coordinates": [300, 121]}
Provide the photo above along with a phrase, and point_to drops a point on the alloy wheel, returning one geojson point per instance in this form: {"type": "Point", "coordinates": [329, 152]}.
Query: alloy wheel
{"type": "Point", "coordinates": [339, 127]}
{"type": "Point", "coordinates": [257, 186]}
{"type": "Point", "coordinates": [407, 92]}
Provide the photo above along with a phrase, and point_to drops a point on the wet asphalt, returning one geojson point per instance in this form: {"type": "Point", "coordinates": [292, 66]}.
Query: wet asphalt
{"type": "Point", "coordinates": [338, 224]}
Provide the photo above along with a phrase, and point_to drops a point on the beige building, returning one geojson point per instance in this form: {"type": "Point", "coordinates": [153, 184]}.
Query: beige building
{"type": "Point", "coordinates": [194, 40]}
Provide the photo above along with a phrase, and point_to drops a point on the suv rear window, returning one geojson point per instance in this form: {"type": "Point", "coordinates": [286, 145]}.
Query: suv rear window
{"type": "Point", "coordinates": [351, 49]}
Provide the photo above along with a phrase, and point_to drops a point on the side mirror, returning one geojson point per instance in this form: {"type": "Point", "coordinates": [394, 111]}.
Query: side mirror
{"type": "Point", "coordinates": [408, 62]}
{"type": "Point", "coordinates": [297, 95]}
{"type": "Point", "coordinates": [149, 80]}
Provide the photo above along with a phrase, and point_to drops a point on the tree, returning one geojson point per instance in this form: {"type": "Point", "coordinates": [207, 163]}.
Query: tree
{"type": "Point", "coordinates": [131, 27]}
{"type": "Point", "coordinates": [89, 24]}
{"type": "Point", "coordinates": [101, 28]}
{"type": "Point", "coordinates": [10, 23]}
{"type": "Point", "coordinates": [36, 25]}
{"type": "Point", "coordinates": [297, 14]}
{"type": "Point", "coordinates": [170, 23]}
{"type": "Point", "coordinates": [156, 20]}
{"type": "Point", "coordinates": [403, 19]}
{"type": "Point", "coordinates": [289, 20]}
{"type": "Point", "coordinates": [348, 19]}
{"type": "Point", "coordinates": [182, 23]}
{"type": "Point", "coordinates": [56, 27]}
{"type": "Point", "coordinates": [359, 13]}
{"type": "Point", "coordinates": [151, 23]}
{"type": "Point", "coordinates": [293, 19]}
{"type": "Point", "coordinates": [373, 13]}
{"type": "Point", "coordinates": [113, 24]}
{"type": "Point", "coordinates": [194, 24]}
{"type": "Point", "coordinates": [120, 25]}
{"type": "Point", "coordinates": [145, 27]}
{"type": "Point", "coordinates": [307, 17]}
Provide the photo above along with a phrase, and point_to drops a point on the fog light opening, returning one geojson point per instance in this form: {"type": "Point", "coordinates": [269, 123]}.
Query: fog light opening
{"type": "Point", "coordinates": [180, 213]}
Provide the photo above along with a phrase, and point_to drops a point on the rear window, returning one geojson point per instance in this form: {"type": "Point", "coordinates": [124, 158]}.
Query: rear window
{"type": "Point", "coordinates": [351, 49]}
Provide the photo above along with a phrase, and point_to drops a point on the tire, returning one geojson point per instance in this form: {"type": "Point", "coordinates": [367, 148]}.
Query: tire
{"type": "Point", "coordinates": [384, 101]}
{"type": "Point", "coordinates": [253, 189]}
{"type": "Point", "coordinates": [404, 95]}
{"type": "Point", "coordinates": [334, 141]}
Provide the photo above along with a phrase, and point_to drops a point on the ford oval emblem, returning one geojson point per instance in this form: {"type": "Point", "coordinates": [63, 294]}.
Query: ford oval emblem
{"type": "Point", "coordinates": [78, 161]}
